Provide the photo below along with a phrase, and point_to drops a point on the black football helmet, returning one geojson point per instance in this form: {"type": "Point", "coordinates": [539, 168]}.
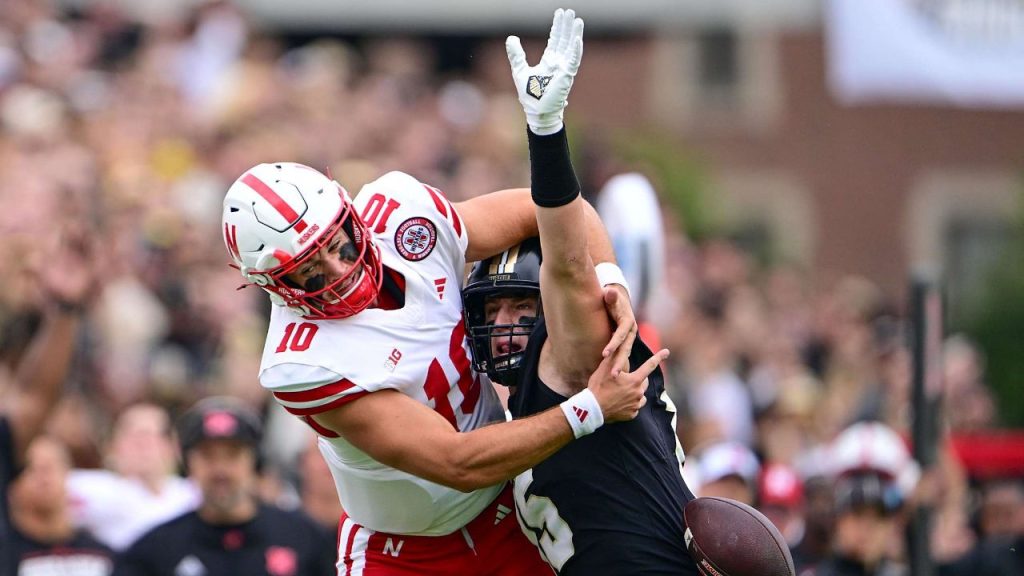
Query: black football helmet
{"type": "Point", "coordinates": [514, 272]}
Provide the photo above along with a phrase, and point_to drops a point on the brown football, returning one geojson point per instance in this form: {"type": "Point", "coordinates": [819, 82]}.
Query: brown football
{"type": "Point", "coordinates": [729, 538]}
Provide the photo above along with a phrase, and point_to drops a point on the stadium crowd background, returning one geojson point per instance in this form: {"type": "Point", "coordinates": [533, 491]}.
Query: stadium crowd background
{"type": "Point", "coordinates": [123, 136]}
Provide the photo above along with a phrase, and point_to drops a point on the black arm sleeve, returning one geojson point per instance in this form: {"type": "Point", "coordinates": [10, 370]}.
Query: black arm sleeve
{"type": "Point", "coordinates": [553, 180]}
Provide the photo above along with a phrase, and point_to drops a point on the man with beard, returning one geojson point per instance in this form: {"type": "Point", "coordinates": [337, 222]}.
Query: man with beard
{"type": "Point", "coordinates": [231, 532]}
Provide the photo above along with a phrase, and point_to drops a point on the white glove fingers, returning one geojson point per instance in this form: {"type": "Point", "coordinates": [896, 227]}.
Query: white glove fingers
{"type": "Point", "coordinates": [553, 36]}
{"type": "Point", "coordinates": [516, 56]}
{"type": "Point", "coordinates": [577, 53]}
{"type": "Point", "coordinates": [565, 35]}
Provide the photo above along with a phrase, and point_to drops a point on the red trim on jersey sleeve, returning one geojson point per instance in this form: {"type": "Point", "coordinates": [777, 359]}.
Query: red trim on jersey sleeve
{"type": "Point", "coordinates": [320, 429]}
{"type": "Point", "coordinates": [444, 207]}
{"type": "Point", "coordinates": [435, 195]}
{"type": "Point", "coordinates": [318, 393]}
{"type": "Point", "coordinates": [326, 407]}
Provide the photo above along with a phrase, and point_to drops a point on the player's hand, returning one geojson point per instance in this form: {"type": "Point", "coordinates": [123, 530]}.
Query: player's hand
{"type": "Point", "coordinates": [544, 89]}
{"type": "Point", "coordinates": [620, 310]}
{"type": "Point", "coordinates": [621, 396]}
{"type": "Point", "coordinates": [69, 274]}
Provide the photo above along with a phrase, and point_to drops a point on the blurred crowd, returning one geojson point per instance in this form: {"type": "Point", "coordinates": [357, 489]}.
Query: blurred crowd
{"type": "Point", "coordinates": [120, 132]}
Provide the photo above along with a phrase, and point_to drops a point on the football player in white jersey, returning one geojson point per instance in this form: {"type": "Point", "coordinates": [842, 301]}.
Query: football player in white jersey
{"type": "Point", "coordinates": [367, 345]}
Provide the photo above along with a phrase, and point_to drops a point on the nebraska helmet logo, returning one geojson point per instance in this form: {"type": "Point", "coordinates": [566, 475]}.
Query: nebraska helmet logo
{"type": "Point", "coordinates": [415, 238]}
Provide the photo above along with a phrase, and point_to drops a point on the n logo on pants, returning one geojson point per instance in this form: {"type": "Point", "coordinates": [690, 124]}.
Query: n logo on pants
{"type": "Point", "coordinates": [390, 548]}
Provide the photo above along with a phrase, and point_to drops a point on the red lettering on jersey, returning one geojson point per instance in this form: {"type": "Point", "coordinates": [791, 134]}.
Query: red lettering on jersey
{"type": "Point", "coordinates": [436, 388]}
{"type": "Point", "coordinates": [437, 385]}
{"type": "Point", "coordinates": [372, 216]}
{"type": "Point", "coordinates": [469, 385]}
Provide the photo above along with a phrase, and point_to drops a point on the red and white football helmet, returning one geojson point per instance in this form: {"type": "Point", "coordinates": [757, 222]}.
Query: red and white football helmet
{"type": "Point", "coordinates": [876, 448]}
{"type": "Point", "coordinates": [276, 217]}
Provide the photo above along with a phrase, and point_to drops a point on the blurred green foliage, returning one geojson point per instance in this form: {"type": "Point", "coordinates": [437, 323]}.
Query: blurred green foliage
{"type": "Point", "coordinates": [998, 327]}
{"type": "Point", "coordinates": [678, 176]}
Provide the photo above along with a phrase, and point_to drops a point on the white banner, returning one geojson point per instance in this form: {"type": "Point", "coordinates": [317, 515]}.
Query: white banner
{"type": "Point", "coordinates": [967, 53]}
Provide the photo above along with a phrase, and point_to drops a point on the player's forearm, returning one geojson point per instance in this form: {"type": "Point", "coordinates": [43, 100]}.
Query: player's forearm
{"type": "Point", "coordinates": [569, 226]}
{"type": "Point", "coordinates": [599, 244]}
{"type": "Point", "coordinates": [496, 221]}
{"type": "Point", "coordinates": [499, 452]}
{"type": "Point", "coordinates": [41, 374]}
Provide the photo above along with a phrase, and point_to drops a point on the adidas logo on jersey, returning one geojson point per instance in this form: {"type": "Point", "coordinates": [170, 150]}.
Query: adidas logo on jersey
{"type": "Point", "coordinates": [439, 284]}
{"type": "Point", "coordinates": [580, 413]}
{"type": "Point", "coordinates": [501, 513]}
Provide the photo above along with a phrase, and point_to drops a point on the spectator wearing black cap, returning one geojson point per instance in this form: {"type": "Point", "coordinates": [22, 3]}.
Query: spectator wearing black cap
{"type": "Point", "coordinates": [231, 532]}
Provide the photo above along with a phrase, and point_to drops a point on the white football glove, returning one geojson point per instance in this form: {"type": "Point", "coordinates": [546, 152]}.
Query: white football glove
{"type": "Point", "coordinates": [544, 88]}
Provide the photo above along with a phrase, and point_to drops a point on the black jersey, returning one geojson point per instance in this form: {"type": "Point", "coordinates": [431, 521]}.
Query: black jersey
{"type": "Point", "coordinates": [7, 473]}
{"type": "Point", "coordinates": [610, 503]}
{"type": "Point", "coordinates": [82, 555]}
{"type": "Point", "coordinates": [274, 543]}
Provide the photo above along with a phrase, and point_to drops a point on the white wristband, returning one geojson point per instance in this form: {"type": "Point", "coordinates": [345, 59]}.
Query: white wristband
{"type": "Point", "coordinates": [583, 413]}
{"type": "Point", "coordinates": [610, 273]}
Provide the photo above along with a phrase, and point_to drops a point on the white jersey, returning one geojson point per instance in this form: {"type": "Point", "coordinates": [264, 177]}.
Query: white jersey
{"type": "Point", "coordinates": [117, 510]}
{"type": "Point", "coordinates": [420, 350]}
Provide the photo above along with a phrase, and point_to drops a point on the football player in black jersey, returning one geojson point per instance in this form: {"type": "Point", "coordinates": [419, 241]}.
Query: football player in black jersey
{"type": "Point", "coordinates": [612, 502]}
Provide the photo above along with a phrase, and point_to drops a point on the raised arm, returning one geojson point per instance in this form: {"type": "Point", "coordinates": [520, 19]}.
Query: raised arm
{"type": "Point", "coordinates": [40, 375]}
{"type": "Point", "coordinates": [569, 230]}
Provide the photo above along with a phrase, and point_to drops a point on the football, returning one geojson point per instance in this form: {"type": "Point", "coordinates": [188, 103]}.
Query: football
{"type": "Point", "coordinates": [729, 538]}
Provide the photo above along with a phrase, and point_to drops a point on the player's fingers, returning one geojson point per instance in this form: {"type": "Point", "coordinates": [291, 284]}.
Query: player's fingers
{"type": "Point", "coordinates": [516, 56]}
{"type": "Point", "coordinates": [652, 363]}
{"type": "Point", "coordinates": [611, 300]}
{"type": "Point", "coordinates": [576, 55]}
{"type": "Point", "coordinates": [556, 28]}
{"type": "Point", "coordinates": [605, 367]}
{"type": "Point", "coordinates": [623, 351]}
{"type": "Point", "coordinates": [565, 34]}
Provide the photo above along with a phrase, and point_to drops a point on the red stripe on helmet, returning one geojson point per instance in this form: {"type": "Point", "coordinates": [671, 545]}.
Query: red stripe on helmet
{"type": "Point", "coordinates": [231, 239]}
{"type": "Point", "coordinates": [268, 194]}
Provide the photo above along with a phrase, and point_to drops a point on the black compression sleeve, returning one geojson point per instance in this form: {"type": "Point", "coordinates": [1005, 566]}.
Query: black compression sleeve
{"type": "Point", "coordinates": [553, 181]}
